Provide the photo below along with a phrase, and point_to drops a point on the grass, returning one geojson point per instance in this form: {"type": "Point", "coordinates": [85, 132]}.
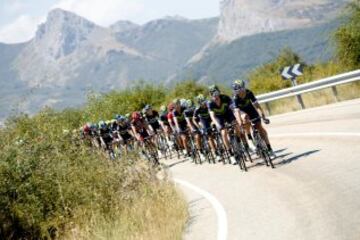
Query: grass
{"type": "Point", "coordinates": [314, 99]}
{"type": "Point", "coordinates": [158, 215]}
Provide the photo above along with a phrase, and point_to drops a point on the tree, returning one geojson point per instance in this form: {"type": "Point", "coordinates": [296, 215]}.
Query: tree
{"type": "Point", "coordinates": [348, 37]}
{"type": "Point", "coordinates": [267, 78]}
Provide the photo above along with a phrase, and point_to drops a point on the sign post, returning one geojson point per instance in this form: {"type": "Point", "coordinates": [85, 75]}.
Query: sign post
{"type": "Point", "coordinates": [291, 73]}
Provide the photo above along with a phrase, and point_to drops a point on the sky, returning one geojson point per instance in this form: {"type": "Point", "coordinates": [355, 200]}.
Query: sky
{"type": "Point", "coordinates": [19, 18]}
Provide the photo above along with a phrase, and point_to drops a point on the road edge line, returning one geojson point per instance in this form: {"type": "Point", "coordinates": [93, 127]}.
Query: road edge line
{"type": "Point", "coordinates": [219, 209]}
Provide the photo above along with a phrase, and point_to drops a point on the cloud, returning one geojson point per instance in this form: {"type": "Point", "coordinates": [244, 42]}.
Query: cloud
{"type": "Point", "coordinates": [14, 6]}
{"type": "Point", "coordinates": [103, 12]}
{"type": "Point", "coordinates": [21, 30]}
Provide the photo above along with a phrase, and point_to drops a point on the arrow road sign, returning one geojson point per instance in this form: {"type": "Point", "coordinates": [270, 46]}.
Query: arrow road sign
{"type": "Point", "coordinates": [291, 72]}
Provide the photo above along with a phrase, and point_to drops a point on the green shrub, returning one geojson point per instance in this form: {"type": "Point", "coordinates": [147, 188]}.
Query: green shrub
{"type": "Point", "coordinates": [50, 184]}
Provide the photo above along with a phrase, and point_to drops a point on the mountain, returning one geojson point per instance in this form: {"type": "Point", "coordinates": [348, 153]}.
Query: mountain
{"type": "Point", "coordinates": [70, 55]}
{"type": "Point", "coordinates": [122, 26]}
{"type": "Point", "coordinates": [241, 18]}
{"type": "Point", "coordinates": [251, 33]}
{"type": "Point", "coordinates": [222, 63]}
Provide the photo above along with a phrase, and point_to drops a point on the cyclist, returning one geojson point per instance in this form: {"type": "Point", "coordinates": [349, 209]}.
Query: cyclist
{"type": "Point", "coordinates": [170, 116]}
{"type": "Point", "coordinates": [189, 114]}
{"type": "Point", "coordinates": [139, 126]}
{"type": "Point", "coordinates": [221, 113]}
{"type": "Point", "coordinates": [202, 121]}
{"type": "Point", "coordinates": [123, 131]}
{"type": "Point", "coordinates": [106, 137]}
{"type": "Point", "coordinates": [246, 102]}
{"type": "Point", "coordinates": [181, 124]}
{"type": "Point", "coordinates": [152, 116]}
{"type": "Point", "coordinates": [164, 123]}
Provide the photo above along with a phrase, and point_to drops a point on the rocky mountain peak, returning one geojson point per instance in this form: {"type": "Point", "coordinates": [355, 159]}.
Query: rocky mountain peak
{"type": "Point", "coordinates": [62, 32]}
{"type": "Point", "coordinates": [244, 17]}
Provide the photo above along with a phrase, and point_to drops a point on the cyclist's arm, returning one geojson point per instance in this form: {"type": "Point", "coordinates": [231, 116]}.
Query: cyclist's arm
{"type": "Point", "coordinates": [162, 125]}
{"type": "Point", "coordinates": [237, 114]}
{"type": "Point", "coordinates": [260, 109]}
{"type": "Point", "coordinates": [214, 119]}
{"type": "Point", "coordinates": [176, 124]}
{"type": "Point", "coordinates": [137, 136]}
{"type": "Point", "coordinates": [256, 104]}
{"type": "Point", "coordinates": [188, 121]}
{"type": "Point", "coordinates": [195, 122]}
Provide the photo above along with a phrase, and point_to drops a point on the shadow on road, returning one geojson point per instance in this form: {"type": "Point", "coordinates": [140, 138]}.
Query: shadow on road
{"type": "Point", "coordinates": [176, 163]}
{"type": "Point", "coordinates": [297, 157]}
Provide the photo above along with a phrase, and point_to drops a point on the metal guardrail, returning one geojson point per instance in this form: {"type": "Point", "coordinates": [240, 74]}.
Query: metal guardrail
{"type": "Point", "coordinates": [330, 82]}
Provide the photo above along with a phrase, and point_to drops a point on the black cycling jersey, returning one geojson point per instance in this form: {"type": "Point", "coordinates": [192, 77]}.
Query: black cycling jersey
{"type": "Point", "coordinates": [189, 112]}
{"type": "Point", "coordinates": [123, 129]}
{"type": "Point", "coordinates": [224, 106]}
{"type": "Point", "coordinates": [151, 119]}
{"type": "Point", "coordinates": [245, 104]}
{"type": "Point", "coordinates": [105, 133]}
{"type": "Point", "coordinates": [180, 116]}
{"type": "Point", "coordinates": [164, 117]}
{"type": "Point", "coordinates": [202, 114]}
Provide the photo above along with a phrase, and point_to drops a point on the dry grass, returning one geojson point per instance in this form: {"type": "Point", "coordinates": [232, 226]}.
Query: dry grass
{"type": "Point", "coordinates": [315, 99]}
{"type": "Point", "coordinates": [161, 214]}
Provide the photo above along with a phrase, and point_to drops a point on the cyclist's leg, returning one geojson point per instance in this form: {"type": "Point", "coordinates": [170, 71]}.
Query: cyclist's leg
{"type": "Point", "coordinates": [263, 134]}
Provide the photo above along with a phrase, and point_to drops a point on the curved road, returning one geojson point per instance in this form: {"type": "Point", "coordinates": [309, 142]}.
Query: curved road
{"type": "Point", "coordinates": [314, 192]}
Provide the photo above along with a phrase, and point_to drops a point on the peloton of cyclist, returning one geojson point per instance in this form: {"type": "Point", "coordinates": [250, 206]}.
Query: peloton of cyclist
{"type": "Point", "coordinates": [246, 102]}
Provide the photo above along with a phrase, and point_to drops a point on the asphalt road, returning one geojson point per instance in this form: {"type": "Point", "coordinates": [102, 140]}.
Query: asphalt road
{"type": "Point", "coordinates": [314, 192]}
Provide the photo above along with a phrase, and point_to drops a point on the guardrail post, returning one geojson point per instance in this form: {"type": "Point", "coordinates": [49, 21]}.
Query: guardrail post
{"type": "Point", "coordinates": [300, 101]}
{"type": "Point", "coordinates": [335, 92]}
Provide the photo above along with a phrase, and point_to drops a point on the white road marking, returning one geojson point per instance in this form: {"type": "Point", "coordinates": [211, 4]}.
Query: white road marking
{"type": "Point", "coordinates": [316, 134]}
{"type": "Point", "coordinates": [219, 209]}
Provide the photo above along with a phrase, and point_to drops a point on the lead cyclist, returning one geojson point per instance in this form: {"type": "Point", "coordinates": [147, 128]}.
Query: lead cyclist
{"type": "Point", "coordinates": [245, 101]}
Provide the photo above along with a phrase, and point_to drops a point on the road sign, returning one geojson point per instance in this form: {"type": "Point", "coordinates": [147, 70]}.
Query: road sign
{"type": "Point", "coordinates": [292, 72]}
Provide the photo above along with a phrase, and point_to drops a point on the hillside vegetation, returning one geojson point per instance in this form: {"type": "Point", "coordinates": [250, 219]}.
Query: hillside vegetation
{"type": "Point", "coordinates": [53, 187]}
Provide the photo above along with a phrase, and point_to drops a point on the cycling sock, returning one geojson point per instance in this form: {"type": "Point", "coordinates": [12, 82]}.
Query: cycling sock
{"type": "Point", "coordinates": [250, 137]}
{"type": "Point", "coordinates": [231, 152]}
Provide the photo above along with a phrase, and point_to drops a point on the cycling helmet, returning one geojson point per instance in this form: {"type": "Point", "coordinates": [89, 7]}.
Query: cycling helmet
{"type": "Point", "coordinates": [183, 103]}
{"type": "Point", "coordinates": [113, 121]}
{"type": "Point", "coordinates": [120, 118]}
{"type": "Point", "coordinates": [176, 101]}
{"type": "Point", "coordinates": [147, 107]}
{"type": "Point", "coordinates": [200, 99]}
{"type": "Point", "coordinates": [214, 90]}
{"type": "Point", "coordinates": [163, 108]}
{"type": "Point", "coordinates": [102, 125]}
{"type": "Point", "coordinates": [94, 127]}
{"type": "Point", "coordinates": [86, 127]}
{"type": "Point", "coordinates": [189, 103]}
{"type": "Point", "coordinates": [108, 122]}
{"type": "Point", "coordinates": [136, 116]}
{"type": "Point", "coordinates": [238, 85]}
{"type": "Point", "coordinates": [128, 115]}
{"type": "Point", "coordinates": [171, 107]}
{"type": "Point", "coordinates": [117, 116]}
